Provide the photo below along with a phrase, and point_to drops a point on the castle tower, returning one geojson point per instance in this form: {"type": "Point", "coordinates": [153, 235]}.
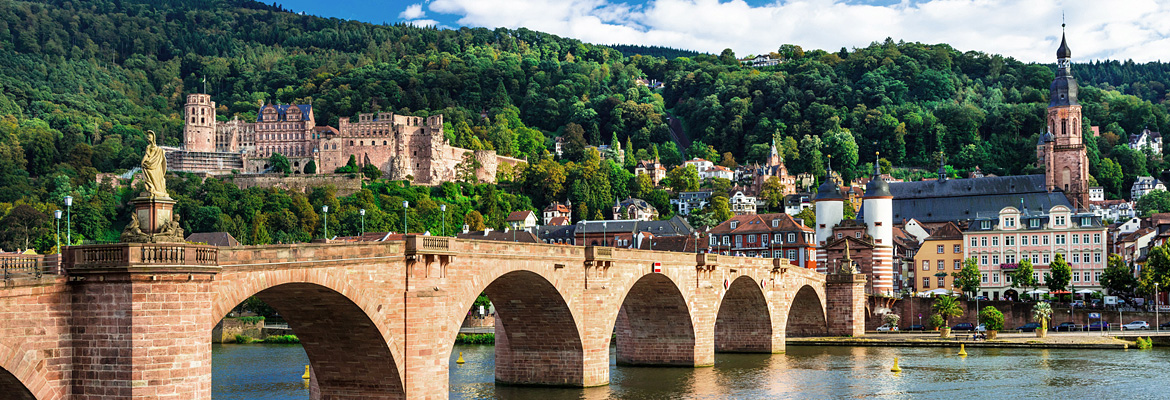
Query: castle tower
{"type": "Point", "coordinates": [830, 211]}
{"type": "Point", "coordinates": [878, 206]}
{"type": "Point", "coordinates": [199, 123]}
{"type": "Point", "coordinates": [1061, 150]}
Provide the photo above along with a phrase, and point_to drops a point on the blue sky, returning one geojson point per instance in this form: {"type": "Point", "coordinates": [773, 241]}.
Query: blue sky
{"type": "Point", "coordinates": [1028, 30]}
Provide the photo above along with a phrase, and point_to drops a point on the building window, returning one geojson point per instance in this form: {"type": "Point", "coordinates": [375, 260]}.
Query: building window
{"type": "Point", "coordinates": [1009, 240]}
{"type": "Point", "coordinates": [974, 242]}
{"type": "Point", "coordinates": [1097, 276]}
{"type": "Point", "coordinates": [995, 277]}
{"type": "Point", "coordinates": [1060, 220]}
{"type": "Point", "coordinates": [983, 277]}
{"type": "Point", "coordinates": [1047, 258]}
{"type": "Point", "coordinates": [751, 238]}
{"type": "Point", "coordinates": [1085, 257]}
{"type": "Point", "coordinates": [775, 223]}
{"type": "Point", "coordinates": [925, 265]}
{"type": "Point", "coordinates": [983, 241]}
{"type": "Point", "coordinates": [1086, 221]}
{"type": "Point", "coordinates": [1036, 277]}
{"type": "Point", "coordinates": [995, 240]}
{"type": "Point", "coordinates": [777, 238]}
{"type": "Point", "coordinates": [738, 240]}
{"type": "Point", "coordinates": [1034, 223]}
{"type": "Point", "coordinates": [942, 281]}
{"type": "Point", "coordinates": [1035, 258]}
{"type": "Point", "coordinates": [1076, 239]}
{"type": "Point", "coordinates": [1096, 238]}
{"type": "Point", "coordinates": [926, 283]}
{"type": "Point", "coordinates": [941, 249]}
{"type": "Point", "coordinates": [1035, 240]}
{"type": "Point", "coordinates": [1096, 258]}
{"type": "Point", "coordinates": [734, 224]}
{"type": "Point", "coordinates": [791, 254]}
{"type": "Point", "coordinates": [983, 260]}
{"type": "Point", "coordinates": [1076, 257]}
{"type": "Point", "coordinates": [726, 240]}
{"type": "Point", "coordinates": [857, 234]}
{"type": "Point", "coordinates": [958, 265]}
{"type": "Point", "coordinates": [1009, 258]}
{"type": "Point", "coordinates": [1045, 240]}
{"type": "Point", "coordinates": [958, 249]}
{"type": "Point", "coordinates": [1076, 276]}
{"type": "Point", "coordinates": [1085, 239]}
{"type": "Point", "coordinates": [995, 259]}
{"type": "Point", "coordinates": [1060, 239]}
{"type": "Point", "coordinates": [985, 224]}
{"type": "Point", "coordinates": [1009, 222]}
{"type": "Point", "coordinates": [942, 265]}
{"type": "Point", "coordinates": [791, 238]}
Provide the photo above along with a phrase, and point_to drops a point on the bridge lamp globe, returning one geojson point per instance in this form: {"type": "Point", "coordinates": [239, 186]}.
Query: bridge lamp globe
{"type": "Point", "coordinates": [405, 206]}
{"type": "Point", "coordinates": [363, 213]}
{"type": "Point", "coordinates": [443, 210]}
{"type": "Point", "coordinates": [69, 220]}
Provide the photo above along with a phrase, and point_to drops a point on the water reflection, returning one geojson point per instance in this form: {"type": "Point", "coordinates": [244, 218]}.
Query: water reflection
{"type": "Point", "coordinates": [804, 372]}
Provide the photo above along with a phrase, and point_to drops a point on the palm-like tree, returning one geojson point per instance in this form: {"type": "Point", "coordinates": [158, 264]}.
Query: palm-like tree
{"type": "Point", "coordinates": [1042, 312]}
{"type": "Point", "coordinates": [946, 307]}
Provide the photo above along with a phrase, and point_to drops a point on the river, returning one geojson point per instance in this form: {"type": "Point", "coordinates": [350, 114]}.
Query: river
{"type": "Point", "coordinates": [274, 372]}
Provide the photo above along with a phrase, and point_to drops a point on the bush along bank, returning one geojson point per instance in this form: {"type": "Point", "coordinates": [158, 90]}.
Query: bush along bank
{"type": "Point", "coordinates": [475, 338]}
{"type": "Point", "coordinates": [277, 339]}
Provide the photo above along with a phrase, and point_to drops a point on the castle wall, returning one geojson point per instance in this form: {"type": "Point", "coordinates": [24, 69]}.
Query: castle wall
{"type": "Point", "coordinates": [303, 183]}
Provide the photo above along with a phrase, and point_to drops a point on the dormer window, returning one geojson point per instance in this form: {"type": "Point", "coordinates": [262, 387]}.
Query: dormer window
{"type": "Point", "coordinates": [1009, 222]}
{"type": "Point", "coordinates": [985, 225]}
{"type": "Point", "coordinates": [734, 224]}
{"type": "Point", "coordinates": [1086, 221]}
{"type": "Point", "coordinates": [775, 223]}
{"type": "Point", "coordinates": [1033, 223]}
{"type": "Point", "coordinates": [1059, 220]}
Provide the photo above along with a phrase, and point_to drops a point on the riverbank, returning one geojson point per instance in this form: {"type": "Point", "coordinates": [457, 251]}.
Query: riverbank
{"type": "Point", "coordinates": [1052, 341]}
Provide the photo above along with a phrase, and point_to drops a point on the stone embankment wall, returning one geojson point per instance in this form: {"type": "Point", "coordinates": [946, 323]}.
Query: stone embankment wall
{"type": "Point", "coordinates": [343, 182]}
{"type": "Point", "coordinates": [227, 329]}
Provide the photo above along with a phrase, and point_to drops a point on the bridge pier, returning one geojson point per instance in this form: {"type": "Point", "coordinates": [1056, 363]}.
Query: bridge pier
{"type": "Point", "coordinates": [845, 304]}
{"type": "Point", "coordinates": [138, 333]}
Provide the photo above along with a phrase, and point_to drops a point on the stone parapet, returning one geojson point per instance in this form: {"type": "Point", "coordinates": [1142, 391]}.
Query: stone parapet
{"type": "Point", "coordinates": [140, 256]}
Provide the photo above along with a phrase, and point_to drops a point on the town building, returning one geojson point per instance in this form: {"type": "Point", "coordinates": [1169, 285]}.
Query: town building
{"type": "Point", "coordinates": [507, 235]}
{"type": "Point", "coordinates": [753, 178]}
{"type": "Point", "coordinates": [1096, 193]}
{"type": "Point", "coordinates": [870, 236]}
{"type": "Point", "coordinates": [557, 234]}
{"type": "Point", "coordinates": [999, 241]}
{"type": "Point", "coordinates": [940, 255]}
{"type": "Point", "coordinates": [742, 204]}
{"type": "Point", "coordinates": [653, 168]}
{"type": "Point", "coordinates": [1146, 140]}
{"type": "Point", "coordinates": [521, 219]}
{"type": "Point", "coordinates": [558, 214]}
{"type": "Point", "coordinates": [1143, 185]}
{"type": "Point", "coordinates": [797, 202]}
{"type": "Point", "coordinates": [703, 167]}
{"type": "Point", "coordinates": [1061, 150]}
{"type": "Point", "coordinates": [765, 235]}
{"type": "Point", "coordinates": [720, 171]}
{"type": "Point", "coordinates": [763, 60]}
{"type": "Point", "coordinates": [604, 233]}
{"type": "Point", "coordinates": [1113, 210]}
{"type": "Point", "coordinates": [691, 201]}
{"type": "Point", "coordinates": [636, 209]}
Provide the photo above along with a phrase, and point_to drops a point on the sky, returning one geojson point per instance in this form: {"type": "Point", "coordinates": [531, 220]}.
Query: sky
{"type": "Point", "coordinates": [1028, 30]}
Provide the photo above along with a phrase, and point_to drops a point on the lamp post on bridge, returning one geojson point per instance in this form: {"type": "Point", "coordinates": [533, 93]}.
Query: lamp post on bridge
{"type": "Point", "coordinates": [514, 226]}
{"type": "Point", "coordinates": [57, 215]}
{"type": "Point", "coordinates": [443, 209]}
{"type": "Point", "coordinates": [69, 220]}
{"type": "Point", "coordinates": [405, 206]}
{"type": "Point", "coordinates": [325, 212]}
{"type": "Point", "coordinates": [603, 233]}
{"type": "Point", "coordinates": [363, 213]}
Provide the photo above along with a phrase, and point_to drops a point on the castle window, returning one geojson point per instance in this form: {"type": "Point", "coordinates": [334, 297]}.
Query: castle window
{"type": "Point", "coordinates": [383, 142]}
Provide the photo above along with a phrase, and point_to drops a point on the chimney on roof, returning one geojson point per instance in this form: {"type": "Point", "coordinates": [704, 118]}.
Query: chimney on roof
{"type": "Point", "coordinates": [466, 228]}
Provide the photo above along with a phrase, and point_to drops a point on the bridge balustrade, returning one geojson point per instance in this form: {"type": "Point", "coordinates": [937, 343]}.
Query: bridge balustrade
{"type": "Point", "coordinates": [117, 255]}
{"type": "Point", "coordinates": [14, 266]}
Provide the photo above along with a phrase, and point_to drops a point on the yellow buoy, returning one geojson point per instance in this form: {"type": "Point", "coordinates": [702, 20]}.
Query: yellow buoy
{"type": "Point", "coordinates": [460, 360]}
{"type": "Point", "coordinates": [306, 375]}
{"type": "Point", "coordinates": [896, 368]}
{"type": "Point", "coordinates": [962, 350]}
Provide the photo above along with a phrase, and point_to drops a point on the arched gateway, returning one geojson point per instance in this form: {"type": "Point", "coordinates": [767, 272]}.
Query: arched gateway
{"type": "Point", "coordinates": [378, 319]}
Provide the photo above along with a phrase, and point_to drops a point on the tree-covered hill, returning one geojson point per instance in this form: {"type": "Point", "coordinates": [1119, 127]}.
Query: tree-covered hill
{"type": "Point", "coordinates": [80, 81]}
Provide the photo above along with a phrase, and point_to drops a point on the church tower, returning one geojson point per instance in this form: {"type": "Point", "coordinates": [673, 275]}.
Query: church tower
{"type": "Point", "coordinates": [199, 123]}
{"type": "Point", "coordinates": [1061, 150]}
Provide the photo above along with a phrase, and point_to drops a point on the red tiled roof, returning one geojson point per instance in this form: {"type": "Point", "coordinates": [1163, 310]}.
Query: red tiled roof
{"type": "Point", "coordinates": [755, 223]}
{"type": "Point", "coordinates": [518, 215]}
{"type": "Point", "coordinates": [558, 221]}
{"type": "Point", "coordinates": [948, 231]}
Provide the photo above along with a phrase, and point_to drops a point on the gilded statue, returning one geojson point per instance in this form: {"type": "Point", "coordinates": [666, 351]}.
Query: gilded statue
{"type": "Point", "coordinates": [154, 169]}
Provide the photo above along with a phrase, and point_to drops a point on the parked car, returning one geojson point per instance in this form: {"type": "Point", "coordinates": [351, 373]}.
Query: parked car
{"type": "Point", "coordinates": [981, 328]}
{"type": "Point", "coordinates": [887, 328]}
{"type": "Point", "coordinates": [1078, 303]}
{"type": "Point", "coordinates": [1066, 327]}
{"type": "Point", "coordinates": [1099, 326]}
{"type": "Point", "coordinates": [1029, 327]}
{"type": "Point", "coordinates": [916, 327]}
{"type": "Point", "coordinates": [1164, 325]}
{"type": "Point", "coordinates": [1136, 325]}
{"type": "Point", "coordinates": [963, 326]}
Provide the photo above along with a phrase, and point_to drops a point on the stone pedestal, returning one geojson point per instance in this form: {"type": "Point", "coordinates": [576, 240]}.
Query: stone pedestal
{"type": "Point", "coordinates": [845, 304]}
{"type": "Point", "coordinates": [154, 221]}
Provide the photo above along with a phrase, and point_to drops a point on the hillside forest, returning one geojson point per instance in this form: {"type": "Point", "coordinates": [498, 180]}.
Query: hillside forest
{"type": "Point", "coordinates": [81, 81]}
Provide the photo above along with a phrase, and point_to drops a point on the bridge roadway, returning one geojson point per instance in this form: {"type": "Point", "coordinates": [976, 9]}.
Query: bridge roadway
{"type": "Point", "coordinates": [378, 320]}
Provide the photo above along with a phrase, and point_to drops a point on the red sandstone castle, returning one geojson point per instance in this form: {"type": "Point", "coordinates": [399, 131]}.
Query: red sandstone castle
{"type": "Point", "coordinates": [399, 145]}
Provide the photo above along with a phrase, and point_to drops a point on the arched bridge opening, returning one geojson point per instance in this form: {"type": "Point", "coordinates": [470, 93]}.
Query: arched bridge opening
{"type": "Point", "coordinates": [743, 323]}
{"type": "Point", "coordinates": [654, 326]}
{"type": "Point", "coordinates": [537, 340]}
{"type": "Point", "coordinates": [348, 353]}
{"type": "Point", "coordinates": [806, 317]}
{"type": "Point", "coordinates": [12, 388]}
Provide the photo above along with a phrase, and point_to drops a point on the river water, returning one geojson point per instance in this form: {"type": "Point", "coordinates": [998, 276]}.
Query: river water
{"type": "Point", "coordinates": [803, 372]}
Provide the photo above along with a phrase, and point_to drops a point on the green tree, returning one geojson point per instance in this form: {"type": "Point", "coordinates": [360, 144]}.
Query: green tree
{"type": "Point", "coordinates": [311, 167]}
{"type": "Point", "coordinates": [1042, 311]}
{"type": "Point", "coordinates": [1060, 274]}
{"type": "Point", "coordinates": [474, 221]}
{"type": "Point", "coordinates": [967, 279]}
{"type": "Point", "coordinates": [465, 171]}
{"type": "Point", "coordinates": [719, 208]}
{"type": "Point", "coordinates": [1156, 273]}
{"type": "Point", "coordinates": [991, 318]}
{"type": "Point", "coordinates": [371, 171]}
{"type": "Point", "coordinates": [1156, 201]}
{"type": "Point", "coordinates": [946, 307]}
{"type": "Point", "coordinates": [1023, 276]}
{"type": "Point", "coordinates": [279, 163]}
{"type": "Point", "coordinates": [773, 193]}
{"type": "Point", "coordinates": [808, 215]}
{"type": "Point", "coordinates": [1118, 278]}
{"type": "Point", "coordinates": [728, 161]}
{"type": "Point", "coordinates": [1110, 177]}
{"type": "Point", "coordinates": [684, 179]}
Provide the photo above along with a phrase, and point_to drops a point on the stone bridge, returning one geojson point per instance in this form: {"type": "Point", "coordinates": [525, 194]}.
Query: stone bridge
{"type": "Point", "coordinates": [379, 320]}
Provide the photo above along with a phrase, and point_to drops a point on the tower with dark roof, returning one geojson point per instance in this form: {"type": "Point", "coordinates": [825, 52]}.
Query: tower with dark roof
{"type": "Point", "coordinates": [878, 207]}
{"type": "Point", "coordinates": [1061, 150]}
{"type": "Point", "coordinates": [830, 211]}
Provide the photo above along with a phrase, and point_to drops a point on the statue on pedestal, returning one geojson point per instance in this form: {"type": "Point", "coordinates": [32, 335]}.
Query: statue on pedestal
{"type": "Point", "coordinates": [153, 219]}
{"type": "Point", "coordinates": [847, 265]}
{"type": "Point", "coordinates": [154, 169]}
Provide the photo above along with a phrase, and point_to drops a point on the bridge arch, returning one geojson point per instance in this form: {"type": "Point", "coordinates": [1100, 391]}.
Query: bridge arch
{"type": "Point", "coordinates": [743, 323]}
{"type": "Point", "coordinates": [806, 314]}
{"type": "Point", "coordinates": [19, 375]}
{"type": "Point", "coordinates": [348, 348]}
{"type": "Point", "coordinates": [654, 325]}
{"type": "Point", "coordinates": [537, 337]}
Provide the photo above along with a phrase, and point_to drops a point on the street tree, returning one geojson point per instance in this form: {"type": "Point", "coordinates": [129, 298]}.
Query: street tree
{"type": "Point", "coordinates": [946, 307]}
{"type": "Point", "coordinates": [1118, 278]}
{"type": "Point", "coordinates": [1156, 273]}
{"type": "Point", "coordinates": [1024, 275]}
{"type": "Point", "coordinates": [967, 279]}
{"type": "Point", "coordinates": [1060, 276]}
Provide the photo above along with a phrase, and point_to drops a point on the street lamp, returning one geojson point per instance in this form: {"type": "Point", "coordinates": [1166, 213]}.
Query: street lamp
{"type": "Point", "coordinates": [603, 233]}
{"type": "Point", "coordinates": [514, 225]}
{"type": "Point", "coordinates": [1157, 304]}
{"type": "Point", "coordinates": [363, 213]}
{"type": "Point", "coordinates": [325, 212]}
{"type": "Point", "coordinates": [57, 215]}
{"type": "Point", "coordinates": [69, 220]}
{"type": "Point", "coordinates": [443, 209]}
{"type": "Point", "coordinates": [405, 206]}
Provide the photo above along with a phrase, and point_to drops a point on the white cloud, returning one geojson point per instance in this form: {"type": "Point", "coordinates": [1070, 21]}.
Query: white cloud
{"type": "Point", "coordinates": [413, 11]}
{"type": "Point", "coordinates": [1028, 30]}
